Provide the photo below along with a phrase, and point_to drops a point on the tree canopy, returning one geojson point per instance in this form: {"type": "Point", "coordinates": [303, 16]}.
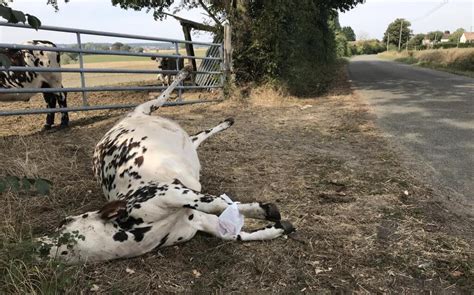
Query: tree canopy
{"type": "Point", "coordinates": [456, 35]}
{"type": "Point", "coordinates": [349, 33]}
{"type": "Point", "coordinates": [392, 34]}
{"type": "Point", "coordinates": [416, 40]}
{"type": "Point", "coordinates": [435, 35]}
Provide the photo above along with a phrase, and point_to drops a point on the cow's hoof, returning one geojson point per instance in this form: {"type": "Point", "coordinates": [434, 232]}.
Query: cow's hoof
{"type": "Point", "coordinates": [229, 121]}
{"type": "Point", "coordinates": [47, 127]}
{"type": "Point", "coordinates": [287, 227]}
{"type": "Point", "coordinates": [271, 212]}
{"type": "Point", "coordinates": [63, 126]}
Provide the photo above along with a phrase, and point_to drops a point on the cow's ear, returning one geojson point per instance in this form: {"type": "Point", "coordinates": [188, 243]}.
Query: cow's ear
{"type": "Point", "coordinates": [113, 210]}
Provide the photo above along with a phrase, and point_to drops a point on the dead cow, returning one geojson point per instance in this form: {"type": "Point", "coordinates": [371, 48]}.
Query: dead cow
{"type": "Point", "coordinates": [148, 168]}
{"type": "Point", "coordinates": [35, 58]}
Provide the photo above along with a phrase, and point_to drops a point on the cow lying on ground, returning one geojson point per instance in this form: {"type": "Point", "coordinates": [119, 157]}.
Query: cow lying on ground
{"type": "Point", "coordinates": [35, 58]}
{"type": "Point", "coordinates": [168, 64]}
{"type": "Point", "coordinates": [148, 168]}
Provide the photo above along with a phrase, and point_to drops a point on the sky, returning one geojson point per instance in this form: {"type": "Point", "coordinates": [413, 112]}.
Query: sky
{"type": "Point", "coordinates": [368, 20]}
{"type": "Point", "coordinates": [97, 15]}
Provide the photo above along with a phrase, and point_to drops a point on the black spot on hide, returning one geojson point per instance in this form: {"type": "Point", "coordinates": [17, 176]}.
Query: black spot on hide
{"type": "Point", "coordinates": [120, 236]}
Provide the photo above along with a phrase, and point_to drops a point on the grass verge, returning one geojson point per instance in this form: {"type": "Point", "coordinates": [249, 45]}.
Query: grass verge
{"type": "Point", "coordinates": [455, 60]}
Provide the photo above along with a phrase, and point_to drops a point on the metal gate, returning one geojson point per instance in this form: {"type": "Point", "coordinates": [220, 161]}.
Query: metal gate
{"type": "Point", "coordinates": [214, 74]}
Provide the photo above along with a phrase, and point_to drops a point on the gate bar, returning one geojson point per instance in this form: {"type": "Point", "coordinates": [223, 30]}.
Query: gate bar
{"type": "Point", "coordinates": [98, 70]}
{"type": "Point", "coordinates": [103, 52]}
{"type": "Point", "coordinates": [107, 34]}
{"type": "Point", "coordinates": [95, 108]}
{"type": "Point", "coordinates": [98, 88]}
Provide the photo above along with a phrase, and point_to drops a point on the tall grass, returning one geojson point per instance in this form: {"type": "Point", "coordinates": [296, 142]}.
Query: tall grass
{"type": "Point", "coordinates": [454, 59]}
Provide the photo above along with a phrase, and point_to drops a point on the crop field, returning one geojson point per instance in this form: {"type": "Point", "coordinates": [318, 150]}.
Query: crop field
{"type": "Point", "coordinates": [100, 58]}
{"type": "Point", "coordinates": [364, 221]}
{"type": "Point", "coordinates": [117, 62]}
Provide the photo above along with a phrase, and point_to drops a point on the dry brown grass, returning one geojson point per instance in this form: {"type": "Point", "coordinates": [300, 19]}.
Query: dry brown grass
{"type": "Point", "coordinates": [321, 160]}
{"type": "Point", "coordinates": [460, 60]}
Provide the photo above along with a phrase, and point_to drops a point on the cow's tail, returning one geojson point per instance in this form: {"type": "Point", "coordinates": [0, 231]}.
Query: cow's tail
{"type": "Point", "coordinates": [150, 106]}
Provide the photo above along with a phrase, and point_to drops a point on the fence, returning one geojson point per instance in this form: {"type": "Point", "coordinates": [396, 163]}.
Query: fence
{"type": "Point", "coordinates": [218, 82]}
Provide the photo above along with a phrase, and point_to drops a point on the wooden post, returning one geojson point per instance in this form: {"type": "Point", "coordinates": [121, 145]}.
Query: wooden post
{"type": "Point", "coordinates": [189, 49]}
{"type": "Point", "coordinates": [227, 51]}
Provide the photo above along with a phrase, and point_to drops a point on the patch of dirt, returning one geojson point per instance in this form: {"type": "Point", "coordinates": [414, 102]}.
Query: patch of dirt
{"type": "Point", "coordinates": [320, 160]}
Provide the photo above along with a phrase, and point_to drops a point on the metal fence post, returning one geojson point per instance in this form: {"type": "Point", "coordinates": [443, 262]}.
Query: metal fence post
{"type": "Point", "coordinates": [178, 69]}
{"type": "Point", "coordinates": [81, 65]}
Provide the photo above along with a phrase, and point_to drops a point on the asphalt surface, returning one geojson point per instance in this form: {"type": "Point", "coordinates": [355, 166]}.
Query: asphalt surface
{"type": "Point", "coordinates": [428, 114]}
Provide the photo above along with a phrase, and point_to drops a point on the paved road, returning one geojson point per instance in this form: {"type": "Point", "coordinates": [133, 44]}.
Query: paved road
{"type": "Point", "coordinates": [430, 114]}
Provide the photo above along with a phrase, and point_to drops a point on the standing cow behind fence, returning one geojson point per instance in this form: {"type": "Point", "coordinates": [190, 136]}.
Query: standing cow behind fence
{"type": "Point", "coordinates": [168, 64]}
{"type": "Point", "coordinates": [35, 58]}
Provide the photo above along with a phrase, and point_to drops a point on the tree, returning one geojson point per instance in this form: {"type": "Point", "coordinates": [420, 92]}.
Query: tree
{"type": "Point", "coordinates": [15, 16]}
{"type": "Point", "coordinates": [341, 45]}
{"type": "Point", "coordinates": [392, 34]}
{"type": "Point", "coordinates": [138, 49]}
{"type": "Point", "coordinates": [116, 46]}
{"type": "Point", "coordinates": [102, 47]}
{"type": "Point", "coordinates": [125, 47]}
{"type": "Point", "coordinates": [456, 35]}
{"type": "Point", "coordinates": [416, 40]}
{"type": "Point", "coordinates": [435, 36]}
{"type": "Point", "coordinates": [349, 33]}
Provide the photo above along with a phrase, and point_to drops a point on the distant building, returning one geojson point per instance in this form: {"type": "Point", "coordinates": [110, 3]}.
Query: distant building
{"type": "Point", "coordinates": [467, 37]}
{"type": "Point", "coordinates": [427, 42]}
{"type": "Point", "coordinates": [445, 37]}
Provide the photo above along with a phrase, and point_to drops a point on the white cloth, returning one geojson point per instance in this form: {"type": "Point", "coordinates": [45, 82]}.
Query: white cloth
{"type": "Point", "coordinates": [230, 220]}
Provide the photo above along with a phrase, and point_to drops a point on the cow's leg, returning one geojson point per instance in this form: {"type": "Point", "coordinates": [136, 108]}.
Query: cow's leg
{"type": "Point", "coordinates": [62, 102]}
{"type": "Point", "coordinates": [50, 99]}
{"type": "Point", "coordinates": [210, 224]}
{"type": "Point", "coordinates": [203, 135]}
{"type": "Point", "coordinates": [178, 196]}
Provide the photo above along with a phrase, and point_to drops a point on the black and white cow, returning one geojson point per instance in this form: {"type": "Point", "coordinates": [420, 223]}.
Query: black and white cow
{"type": "Point", "coordinates": [35, 58]}
{"type": "Point", "coordinates": [168, 64]}
{"type": "Point", "coordinates": [148, 168]}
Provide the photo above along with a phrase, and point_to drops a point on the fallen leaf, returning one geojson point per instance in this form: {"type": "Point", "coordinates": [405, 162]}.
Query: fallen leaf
{"type": "Point", "coordinates": [196, 273]}
{"type": "Point", "coordinates": [94, 288]}
{"type": "Point", "coordinates": [456, 273]}
{"type": "Point", "coordinates": [129, 270]}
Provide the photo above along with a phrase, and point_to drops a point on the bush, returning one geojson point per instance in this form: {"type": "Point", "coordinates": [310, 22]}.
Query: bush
{"type": "Point", "coordinates": [342, 46]}
{"type": "Point", "coordinates": [367, 47]}
{"type": "Point", "coordinates": [287, 42]}
{"type": "Point", "coordinates": [65, 59]}
{"type": "Point", "coordinates": [466, 45]}
{"type": "Point", "coordinates": [445, 45]}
